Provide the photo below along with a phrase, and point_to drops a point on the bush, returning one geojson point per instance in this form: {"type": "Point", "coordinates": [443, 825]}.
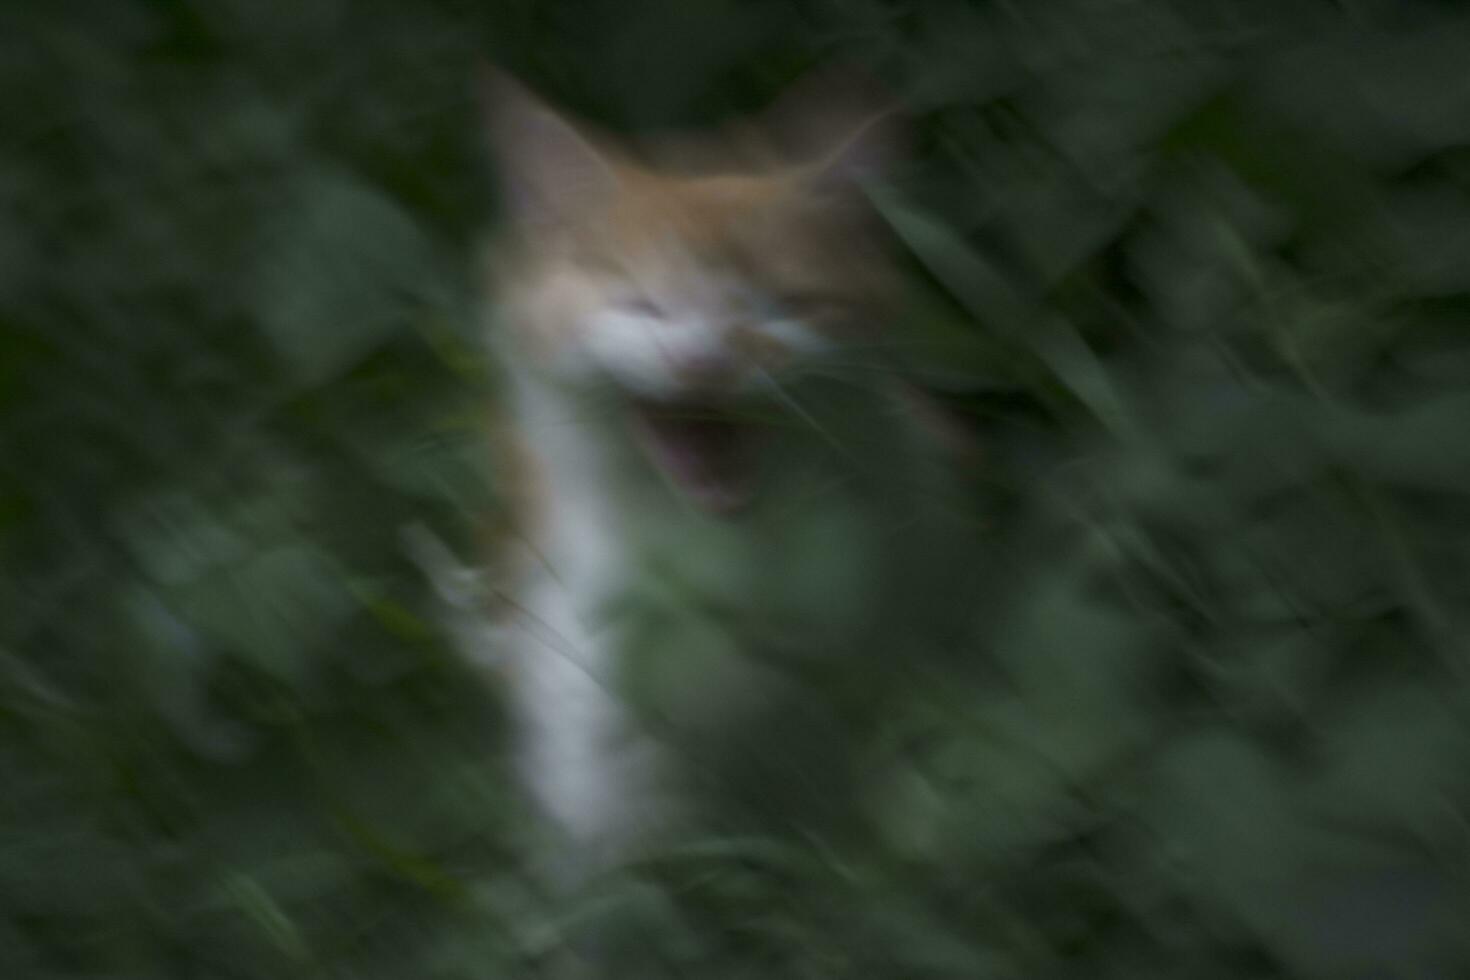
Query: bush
{"type": "Point", "coordinates": [1194, 272]}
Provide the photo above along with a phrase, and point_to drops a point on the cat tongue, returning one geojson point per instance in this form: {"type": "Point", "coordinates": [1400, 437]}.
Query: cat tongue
{"type": "Point", "coordinates": [702, 452]}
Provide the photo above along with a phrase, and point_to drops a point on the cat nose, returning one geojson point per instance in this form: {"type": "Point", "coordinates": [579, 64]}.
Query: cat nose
{"type": "Point", "coordinates": [704, 367]}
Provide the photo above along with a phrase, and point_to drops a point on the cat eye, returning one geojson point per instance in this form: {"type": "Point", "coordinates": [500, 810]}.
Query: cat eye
{"type": "Point", "coordinates": [642, 306]}
{"type": "Point", "coordinates": [812, 306]}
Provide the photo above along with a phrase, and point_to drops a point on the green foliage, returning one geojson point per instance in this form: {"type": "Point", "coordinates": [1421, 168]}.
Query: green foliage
{"type": "Point", "coordinates": [1194, 273]}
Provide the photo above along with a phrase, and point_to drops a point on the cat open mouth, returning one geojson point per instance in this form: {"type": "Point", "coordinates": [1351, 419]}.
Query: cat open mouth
{"type": "Point", "coordinates": [702, 449]}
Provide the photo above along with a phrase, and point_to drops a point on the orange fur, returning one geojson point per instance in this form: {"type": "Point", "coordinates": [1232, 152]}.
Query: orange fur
{"type": "Point", "coordinates": [652, 303]}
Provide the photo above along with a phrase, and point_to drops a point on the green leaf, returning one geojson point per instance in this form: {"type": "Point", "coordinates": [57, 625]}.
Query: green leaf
{"type": "Point", "coordinates": [342, 271]}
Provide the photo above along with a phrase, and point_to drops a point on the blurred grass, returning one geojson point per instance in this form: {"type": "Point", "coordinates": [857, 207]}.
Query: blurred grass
{"type": "Point", "coordinates": [1197, 273]}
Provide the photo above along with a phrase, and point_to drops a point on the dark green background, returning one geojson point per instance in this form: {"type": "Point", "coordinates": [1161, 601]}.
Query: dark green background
{"type": "Point", "coordinates": [1198, 273]}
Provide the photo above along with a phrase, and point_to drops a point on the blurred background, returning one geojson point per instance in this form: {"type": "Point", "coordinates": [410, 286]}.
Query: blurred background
{"type": "Point", "coordinates": [1198, 275]}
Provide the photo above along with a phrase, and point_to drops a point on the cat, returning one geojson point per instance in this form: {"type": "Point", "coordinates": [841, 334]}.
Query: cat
{"type": "Point", "coordinates": [716, 479]}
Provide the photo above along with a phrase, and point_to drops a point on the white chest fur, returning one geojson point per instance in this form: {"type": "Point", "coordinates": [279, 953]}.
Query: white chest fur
{"type": "Point", "coordinates": [644, 631]}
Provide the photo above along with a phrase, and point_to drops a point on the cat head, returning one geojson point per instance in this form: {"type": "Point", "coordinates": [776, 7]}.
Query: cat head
{"type": "Point", "coordinates": [686, 277]}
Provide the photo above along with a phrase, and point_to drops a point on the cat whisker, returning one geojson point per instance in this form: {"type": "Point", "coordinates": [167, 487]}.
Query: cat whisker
{"type": "Point", "coordinates": [831, 487]}
{"type": "Point", "coordinates": [860, 373]}
{"type": "Point", "coordinates": [897, 343]}
{"type": "Point", "coordinates": [787, 399]}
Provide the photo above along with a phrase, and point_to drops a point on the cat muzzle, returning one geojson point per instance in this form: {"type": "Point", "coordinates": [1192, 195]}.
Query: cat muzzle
{"type": "Point", "coordinates": [702, 450]}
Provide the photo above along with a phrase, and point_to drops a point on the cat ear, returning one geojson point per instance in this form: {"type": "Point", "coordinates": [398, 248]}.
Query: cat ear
{"type": "Point", "coordinates": [842, 125]}
{"type": "Point", "coordinates": [549, 168]}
